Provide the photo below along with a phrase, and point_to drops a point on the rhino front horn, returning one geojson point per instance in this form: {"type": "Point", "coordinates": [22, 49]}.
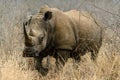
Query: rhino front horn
{"type": "Point", "coordinates": [25, 32]}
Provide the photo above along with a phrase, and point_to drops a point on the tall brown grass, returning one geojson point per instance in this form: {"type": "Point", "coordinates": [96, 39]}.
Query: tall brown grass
{"type": "Point", "coordinates": [15, 67]}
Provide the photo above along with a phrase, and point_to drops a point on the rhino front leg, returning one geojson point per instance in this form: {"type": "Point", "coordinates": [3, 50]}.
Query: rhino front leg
{"type": "Point", "coordinates": [39, 67]}
{"type": "Point", "coordinates": [61, 57]}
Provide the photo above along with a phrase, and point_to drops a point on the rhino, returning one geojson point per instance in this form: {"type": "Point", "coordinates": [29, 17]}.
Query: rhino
{"type": "Point", "coordinates": [62, 35]}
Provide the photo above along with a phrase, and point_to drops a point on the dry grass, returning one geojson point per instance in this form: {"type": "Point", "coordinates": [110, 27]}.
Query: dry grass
{"type": "Point", "coordinates": [14, 67]}
{"type": "Point", "coordinates": [107, 68]}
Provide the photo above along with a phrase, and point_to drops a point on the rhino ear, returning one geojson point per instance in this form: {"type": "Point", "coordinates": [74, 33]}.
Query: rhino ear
{"type": "Point", "coordinates": [47, 15]}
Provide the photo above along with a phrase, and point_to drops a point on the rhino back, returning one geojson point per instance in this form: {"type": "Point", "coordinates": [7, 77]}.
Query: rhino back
{"type": "Point", "coordinates": [87, 27]}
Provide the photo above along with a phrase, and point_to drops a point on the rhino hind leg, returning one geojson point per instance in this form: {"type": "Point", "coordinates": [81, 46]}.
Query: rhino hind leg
{"type": "Point", "coordinates": [76, 56]}
{"type": "Point", "coordinates": [94, 52]}
{"type": "Point", "coordinates": [76, 59]}
{"type": "Point", "coordinates": [80, 52]}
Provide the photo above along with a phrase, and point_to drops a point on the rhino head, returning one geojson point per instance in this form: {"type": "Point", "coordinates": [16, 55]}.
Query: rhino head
{"type": "Point", "coordinates": [36, 37]}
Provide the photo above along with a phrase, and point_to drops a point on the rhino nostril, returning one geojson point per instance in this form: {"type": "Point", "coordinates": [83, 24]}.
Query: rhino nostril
{"type": "Point", "coordinates": [28, 50]}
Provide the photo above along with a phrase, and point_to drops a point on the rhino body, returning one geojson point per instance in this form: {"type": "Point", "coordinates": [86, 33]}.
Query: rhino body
{"type": "Point", "coordinates": [62, 35]}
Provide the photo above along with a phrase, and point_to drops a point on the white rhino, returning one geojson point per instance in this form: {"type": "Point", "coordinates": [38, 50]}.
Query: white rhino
{"type": "Point", "coordinates": [62, 35]}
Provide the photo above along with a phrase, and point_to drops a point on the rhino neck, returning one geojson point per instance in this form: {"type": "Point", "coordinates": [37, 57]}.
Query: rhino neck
{"type": "Point", "coordinates": [50, 37]}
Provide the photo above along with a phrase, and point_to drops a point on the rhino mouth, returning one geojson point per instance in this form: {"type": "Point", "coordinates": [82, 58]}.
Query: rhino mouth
{"type": "Point", "coordinates": [29, 53]}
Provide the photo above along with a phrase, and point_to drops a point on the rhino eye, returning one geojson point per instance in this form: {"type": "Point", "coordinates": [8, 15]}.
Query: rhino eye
{"type": "Point", "coordinates": [41, 39]}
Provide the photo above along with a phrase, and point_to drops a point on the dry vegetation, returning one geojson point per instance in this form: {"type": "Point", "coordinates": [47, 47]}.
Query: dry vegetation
{"type": "Point", "coordinates": [14, 67]}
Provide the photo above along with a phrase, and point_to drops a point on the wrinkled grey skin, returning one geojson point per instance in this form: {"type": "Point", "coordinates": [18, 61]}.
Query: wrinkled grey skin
{"type": "Point", "coordinates": [62, 35]}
